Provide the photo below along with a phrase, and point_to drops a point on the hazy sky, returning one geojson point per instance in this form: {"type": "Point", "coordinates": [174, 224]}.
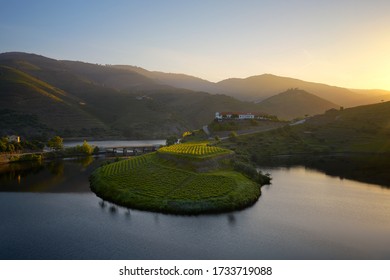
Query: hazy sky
{"type": "Point", "coordinates": [341, 42]}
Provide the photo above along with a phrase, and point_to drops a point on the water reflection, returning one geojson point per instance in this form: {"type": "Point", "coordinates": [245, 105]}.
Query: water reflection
{"type": "Point", "coordinates": [60, 175]}
{"type": "Point", "coordinates": [56, 168]}
{"type": "Point", "coordinates": [86, 161]}
{"type": "Point", "coordinates": [102, 204]}
{"type": "Point", "coordinates": [372, 168]}
{"type": "Point", "coordinates": [18, 171]}
{"type": "Point", "coordinates": [304, 215]}
{"type": "Point", "coordinates": [231, 219]}
{"type": "Point", "coordinates": [128, 213]}
{"type": "Point", "coordinates": [114, 209]}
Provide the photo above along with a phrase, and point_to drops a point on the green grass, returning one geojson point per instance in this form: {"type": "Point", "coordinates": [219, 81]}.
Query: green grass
{"type": "Point", "coordinates": [148, 183]}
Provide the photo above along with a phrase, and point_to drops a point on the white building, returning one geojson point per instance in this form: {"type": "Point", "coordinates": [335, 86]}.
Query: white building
{"type": "Point", "coordinates": [239, 116]}
{"type": "Point", "coordinates": [14, 138]}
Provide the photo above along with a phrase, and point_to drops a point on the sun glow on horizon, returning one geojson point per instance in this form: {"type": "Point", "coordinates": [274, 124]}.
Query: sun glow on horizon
{"type": "Point", "coordinates": [339, 43]}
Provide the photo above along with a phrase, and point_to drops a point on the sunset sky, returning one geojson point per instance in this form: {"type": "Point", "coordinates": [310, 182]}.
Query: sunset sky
{"type": "Point", "coordinates": [343, 42]}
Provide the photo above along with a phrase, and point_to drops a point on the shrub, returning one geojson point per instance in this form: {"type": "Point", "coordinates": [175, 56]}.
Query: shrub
{"type": "Point", "coordinates": [171, 140]}
{"type": "Point", "coordinates": [56, 143]}
{"type": "Point", "coordinates": [250, 171]}
{"type": "Point", "coordinates": [233, 136]}
{"type": "Point", "coordinates": [246, 168]}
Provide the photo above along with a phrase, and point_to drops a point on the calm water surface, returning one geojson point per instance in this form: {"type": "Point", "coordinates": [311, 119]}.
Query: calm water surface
{"type": "Point", "coordinates": [48, 212]}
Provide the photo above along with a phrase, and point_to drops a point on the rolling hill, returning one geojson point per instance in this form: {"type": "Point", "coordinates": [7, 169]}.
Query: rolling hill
{"type": "Point", "coordinates": [175, 80]}
{"type": "Point", "coordinates": [352, 143]}
{"type": "Point", "coordinates": [79, 99]}
{"type": "Point", "coordinates": [362, 129]}
{"type": "Point", "coordinates": [258, 88]}
{"type": "Point", "coordinates": [71, 98]}
{"type": "Point", "coordinates": [31, 106]}
{"type": "Point", "coordinates": [295, 103]}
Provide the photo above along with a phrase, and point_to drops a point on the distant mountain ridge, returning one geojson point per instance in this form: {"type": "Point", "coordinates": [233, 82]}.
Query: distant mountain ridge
{"type": "Point", "coordinates": [75, 98]}
{"type": "Point", "coordinates": [78, 99]}
{"type": "Point", "coordinates": [258, 88]}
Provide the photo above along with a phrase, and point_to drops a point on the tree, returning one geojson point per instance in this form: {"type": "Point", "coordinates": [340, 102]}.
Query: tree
{"type": "Point", "coordinates": [56, 143]}
{"type": "Point", "coordinates": [171, 140]}
{"type": "Point", "coordinates": [85, 148]}
{"type": "Point", "coordinates": [3, 146]}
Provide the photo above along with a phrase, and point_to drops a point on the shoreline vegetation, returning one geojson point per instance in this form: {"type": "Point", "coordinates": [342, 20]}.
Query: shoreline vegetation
{"type": "Point", "coordinates": [183, 179]}
{"type": "Point", "coordinates": [30, 151]}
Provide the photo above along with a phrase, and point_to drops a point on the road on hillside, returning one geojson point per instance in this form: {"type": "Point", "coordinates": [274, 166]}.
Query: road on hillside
{"type": "Point", "coordinates": [248, 132]}
{"type": "Point", "coordinates": [206, 130]}
{"type": "Point", "coordinates": [223, 135]}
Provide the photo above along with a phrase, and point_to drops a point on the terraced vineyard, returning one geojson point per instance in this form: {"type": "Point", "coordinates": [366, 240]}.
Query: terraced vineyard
{"type": "Point", "coordinates": [124, 166]}
{"type": "Point", "coordinates": [194, 150]}
{"type": "Point", "coordinates": [148, 183]}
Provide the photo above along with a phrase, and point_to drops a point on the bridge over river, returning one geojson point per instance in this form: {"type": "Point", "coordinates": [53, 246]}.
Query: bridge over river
{"type": "Point", "coordinates": [131, 149]}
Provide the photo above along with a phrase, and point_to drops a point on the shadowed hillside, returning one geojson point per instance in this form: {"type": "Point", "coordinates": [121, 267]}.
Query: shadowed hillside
{"type": "Point", "coordinates": [74, 98]}
{"type": "Point", "coordinates": [258, 88]}
{"type": "Point", "coordinates": [295, 103]}
{"type": "Point", "coordinates": [82, 99]}
{"type": "Point", "coordinates": [174, 80]}
{"type": "Point", "coordinates": [44, 107]}
{"type": "Point", "coordinates": [363, 129]}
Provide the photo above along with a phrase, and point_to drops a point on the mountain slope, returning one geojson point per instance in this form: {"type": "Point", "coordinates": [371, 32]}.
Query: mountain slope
{"type": "Point", "coordinates": [175, 80]}
{"type": "Point", "coordinates": [257, 88]}
{"type": "Point", "coordinates": [75, 98]}
{"type": "Point", "coordinates": [116, 78]}
{"type": "Point", "coordinates": [23, 94]}
{"type": "Point", "coordinates": [116, 99]}
{"type": "Point", "coordinates": [295, 103]}
{"type": "Point", "coordinates": [363, 129]}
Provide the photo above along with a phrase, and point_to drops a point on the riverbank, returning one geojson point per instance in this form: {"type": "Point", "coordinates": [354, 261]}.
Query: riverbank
{"type": "Point", "coordinates": [18, 157]}
{"type": "Point", "coordinates": [39, 156]}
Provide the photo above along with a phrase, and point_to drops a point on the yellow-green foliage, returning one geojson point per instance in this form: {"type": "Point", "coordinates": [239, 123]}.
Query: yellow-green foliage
{"type": "Point", "coordinates": [196, 150]}
{"type": "Point", "coordinates": [186, 133]}
{"type": "Point", "coordinates": [148, 183]}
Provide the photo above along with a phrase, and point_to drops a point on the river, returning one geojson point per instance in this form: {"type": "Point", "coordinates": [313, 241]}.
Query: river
{"type": "Point", "coordinates": [48, 212]}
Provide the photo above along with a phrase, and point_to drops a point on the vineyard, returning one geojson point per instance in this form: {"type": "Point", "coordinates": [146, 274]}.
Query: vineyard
{"type": "Point", "coordinates": [148, 183]}
{"type": "Point", "coordinates": [202, 150]}
{"type": "Point", "coordinates": [124, 165]}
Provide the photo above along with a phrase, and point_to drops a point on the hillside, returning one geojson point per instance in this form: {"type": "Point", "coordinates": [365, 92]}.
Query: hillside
{"type": "Point", "coordinates": [73, 98]}
{"type": "Point", "coordinates": [31, 106]}
{"type": "Point", "coordinates": [81, 99]}
{"type": "Point", "coordinates": [351, 143]}
{"type": "Point", "coordinates": [258, 88]}
{"type": "Point", "coordinates": [363, 129]}
{"type": "Point", "coordinates": [174, 79]}
{"type": "Point", "coordinates": [295, 103]}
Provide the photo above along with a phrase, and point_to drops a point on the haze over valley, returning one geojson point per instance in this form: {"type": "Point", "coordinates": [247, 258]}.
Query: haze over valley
{"type": "Point", "coordinates": [75, 98]}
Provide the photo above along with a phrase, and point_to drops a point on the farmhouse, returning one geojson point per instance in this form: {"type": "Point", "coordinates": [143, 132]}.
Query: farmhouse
{"type": "Point", "coordinates": [14, 138]}
{"type": "Point", "coordinates": [240, 116]}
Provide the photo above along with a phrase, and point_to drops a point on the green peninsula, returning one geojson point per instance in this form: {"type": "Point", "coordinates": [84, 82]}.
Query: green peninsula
{"type": "Point", "coordinates": [179, 179]}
